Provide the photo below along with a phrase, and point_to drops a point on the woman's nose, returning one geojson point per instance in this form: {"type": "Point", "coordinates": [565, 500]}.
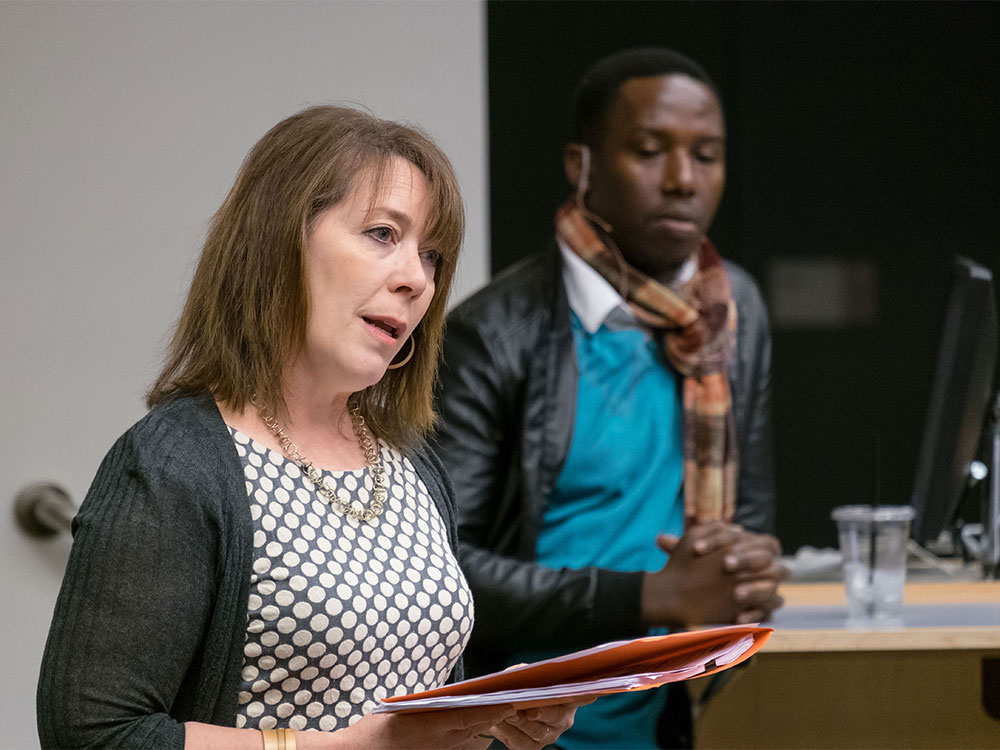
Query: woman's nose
{"type": "Point", "coordinates": [410, 273]}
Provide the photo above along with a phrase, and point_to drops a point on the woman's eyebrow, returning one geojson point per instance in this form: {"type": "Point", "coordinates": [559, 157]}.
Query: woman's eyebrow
{"type": "Point", "coordinates": [400, 217]}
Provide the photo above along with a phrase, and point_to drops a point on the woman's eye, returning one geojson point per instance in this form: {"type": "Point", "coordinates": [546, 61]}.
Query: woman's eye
{"type": "Point", "coordinates": [382, 234]}
{"type": "Point", "coordinates": [431, 257]}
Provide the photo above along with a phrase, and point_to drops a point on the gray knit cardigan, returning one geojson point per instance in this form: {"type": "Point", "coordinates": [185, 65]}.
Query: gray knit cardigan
{"type": "Point", "coordinates": [150, 622]}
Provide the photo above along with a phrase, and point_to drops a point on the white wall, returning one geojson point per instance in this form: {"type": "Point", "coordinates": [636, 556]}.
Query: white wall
{"type": "Point", "coordinates": [122, 125]}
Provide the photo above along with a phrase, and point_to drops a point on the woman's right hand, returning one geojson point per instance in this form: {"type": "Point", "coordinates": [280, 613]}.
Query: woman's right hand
{"type": "Point", "coordinates": [470, 728]}
{"type": "Point", "coordinates": [447, 729]}
{"type": "Point", "coordinates": [538, 727]}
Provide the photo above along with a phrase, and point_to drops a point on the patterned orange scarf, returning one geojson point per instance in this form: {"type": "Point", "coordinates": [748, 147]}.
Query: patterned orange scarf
{"type": "Point", "coordinates": [699, 326]}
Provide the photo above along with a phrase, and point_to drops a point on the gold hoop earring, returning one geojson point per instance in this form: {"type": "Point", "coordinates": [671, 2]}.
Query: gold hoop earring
{"type": "Point", "coordinates": [407, 358]}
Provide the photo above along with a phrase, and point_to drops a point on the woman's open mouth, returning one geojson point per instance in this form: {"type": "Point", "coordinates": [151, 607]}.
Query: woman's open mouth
{"type": "Point", "coordinates": [384, 327]}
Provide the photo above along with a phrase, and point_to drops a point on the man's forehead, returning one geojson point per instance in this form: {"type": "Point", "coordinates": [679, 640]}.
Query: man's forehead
{"type": "Point", "coordinates": [661, 102]}
{"type": "Point", "coordinates": [667, 93]}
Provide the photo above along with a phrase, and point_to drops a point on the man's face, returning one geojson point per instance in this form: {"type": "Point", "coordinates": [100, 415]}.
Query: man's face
{"type": "Point", "coordinates": [658, 169]}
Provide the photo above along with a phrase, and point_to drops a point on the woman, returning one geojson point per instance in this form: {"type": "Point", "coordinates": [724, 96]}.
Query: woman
{"type": "Point", "coordinates": [271, 547]}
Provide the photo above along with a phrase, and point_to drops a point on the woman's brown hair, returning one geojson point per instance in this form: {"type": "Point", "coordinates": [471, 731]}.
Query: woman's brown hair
{"type": "Point", "coordinates": [246, 312]}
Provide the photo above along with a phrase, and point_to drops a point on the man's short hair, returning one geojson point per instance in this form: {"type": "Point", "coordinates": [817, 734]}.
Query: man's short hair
{"type": "Point", "coordinates": [598, 89]}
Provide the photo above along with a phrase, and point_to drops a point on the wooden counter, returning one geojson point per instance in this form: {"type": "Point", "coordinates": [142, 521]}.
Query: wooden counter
{"type": "Point", "coordinates": [818, 683]}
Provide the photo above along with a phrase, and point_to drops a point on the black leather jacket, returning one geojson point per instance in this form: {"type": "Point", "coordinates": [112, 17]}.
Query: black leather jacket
{"type": "Point", "coordinates": [507, 401]}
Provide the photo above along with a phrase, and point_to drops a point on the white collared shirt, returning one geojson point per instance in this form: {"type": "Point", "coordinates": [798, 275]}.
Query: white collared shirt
{"type": "Point", "coordinates": [593, 298]}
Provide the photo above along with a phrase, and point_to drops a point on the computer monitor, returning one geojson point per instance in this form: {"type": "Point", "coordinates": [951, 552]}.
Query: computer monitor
{"type": "Point", "coordinates": [963, 385]}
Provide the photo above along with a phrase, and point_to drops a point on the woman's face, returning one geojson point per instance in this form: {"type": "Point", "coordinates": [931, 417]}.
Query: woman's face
{"type": "Point", "coordinates": [370, 277]}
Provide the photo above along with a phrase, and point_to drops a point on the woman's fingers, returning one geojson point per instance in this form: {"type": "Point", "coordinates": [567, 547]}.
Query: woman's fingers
{"type": "Point", "coordinates": [534, 728]}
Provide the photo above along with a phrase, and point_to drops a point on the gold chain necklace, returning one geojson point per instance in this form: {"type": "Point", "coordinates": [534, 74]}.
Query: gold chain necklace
{"type": "Point", "coordinates": [372, 456]}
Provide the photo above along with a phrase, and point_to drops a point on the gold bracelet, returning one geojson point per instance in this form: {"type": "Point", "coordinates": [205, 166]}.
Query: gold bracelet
{"type": "Point", "coordinates": [279, 739]}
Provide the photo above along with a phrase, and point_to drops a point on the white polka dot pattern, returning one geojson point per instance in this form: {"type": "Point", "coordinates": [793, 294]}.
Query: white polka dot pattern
{"type": "Point", "coordinates": [344, 613]}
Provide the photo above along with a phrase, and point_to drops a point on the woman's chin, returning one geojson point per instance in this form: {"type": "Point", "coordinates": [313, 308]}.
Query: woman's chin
{"type": "Point", "coordinates": [368, 376]}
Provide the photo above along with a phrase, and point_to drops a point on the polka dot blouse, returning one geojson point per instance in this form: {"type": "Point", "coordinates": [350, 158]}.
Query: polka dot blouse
{"type": "Point", "coordinates": [343, 613]}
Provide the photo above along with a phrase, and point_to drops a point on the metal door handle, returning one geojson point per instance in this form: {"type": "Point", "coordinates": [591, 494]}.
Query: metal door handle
{"type": "Point", "coordinates": [43, 509]}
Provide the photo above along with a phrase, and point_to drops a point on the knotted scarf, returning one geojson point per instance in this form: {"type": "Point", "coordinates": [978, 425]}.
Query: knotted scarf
{"type": "Point", "coordinates": [699, 328]}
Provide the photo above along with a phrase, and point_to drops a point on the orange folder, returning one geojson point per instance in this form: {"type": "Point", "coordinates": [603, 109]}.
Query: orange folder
{"type": "Point", "coordinates": [616, 667]}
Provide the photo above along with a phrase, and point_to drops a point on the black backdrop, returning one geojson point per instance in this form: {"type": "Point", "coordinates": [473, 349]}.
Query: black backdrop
{"type": "Point", "coordinates": [856, 131]}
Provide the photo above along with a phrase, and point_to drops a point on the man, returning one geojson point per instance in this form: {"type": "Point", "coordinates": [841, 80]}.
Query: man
{"type": "Point", "coordinates": [606, 402]}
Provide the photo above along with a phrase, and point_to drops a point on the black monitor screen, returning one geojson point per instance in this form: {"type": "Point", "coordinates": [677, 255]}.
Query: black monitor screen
{"type": "Point", "coordinates": [963, 383]}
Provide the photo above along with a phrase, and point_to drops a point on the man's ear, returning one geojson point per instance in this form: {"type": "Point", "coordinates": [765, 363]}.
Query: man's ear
{"type": "Point", "coordinates": [574, 163]}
